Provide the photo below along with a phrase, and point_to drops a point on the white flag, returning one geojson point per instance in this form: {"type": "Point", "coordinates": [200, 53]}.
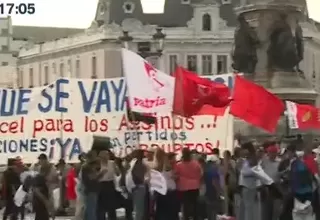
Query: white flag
{"type": "Point", "coordinates": [149, 90]}
{"type": "Point", "coordinates": [291, 113]}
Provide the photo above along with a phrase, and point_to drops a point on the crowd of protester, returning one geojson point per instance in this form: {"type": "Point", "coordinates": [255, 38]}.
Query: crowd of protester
{"type": "Point", "coordinates": [198, 186]}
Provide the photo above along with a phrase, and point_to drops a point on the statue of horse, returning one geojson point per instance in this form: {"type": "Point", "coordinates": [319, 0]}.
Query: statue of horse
{"type": "Point", "coordinates": [285, 50]}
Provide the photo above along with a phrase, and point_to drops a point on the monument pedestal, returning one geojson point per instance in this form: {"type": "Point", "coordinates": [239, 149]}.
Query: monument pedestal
{"type": "Point", "coordinates": [262, 15]}
{"type": "Point", "coordinates": [292, 86]}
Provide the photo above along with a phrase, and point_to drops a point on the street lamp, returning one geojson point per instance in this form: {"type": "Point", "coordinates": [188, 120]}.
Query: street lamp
{"type": "Point", "coordinates": [159, 36]}
{"type": "Point", "coordinates": [125, 39]}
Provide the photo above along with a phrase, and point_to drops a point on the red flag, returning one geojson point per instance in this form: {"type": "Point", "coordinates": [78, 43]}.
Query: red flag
{"type": "Point", "coordinates": [256, 105]}
{"type": "Point", "coordinates": [302, 116]}
{"type": "Point", "coordinates": [193, 94]}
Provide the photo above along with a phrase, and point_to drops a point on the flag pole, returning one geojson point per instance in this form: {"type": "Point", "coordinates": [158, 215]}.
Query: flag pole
{"type": "Point", "coordinates": [134, 128]}
{"type": "Point", "coordinates": [173, 116]}
{"type": "Point", "coordinates": [125, 40]}
{"type": "Point", "coordinates": [178, 71]}
{"type": "Point", "coordinates": [130, 114]}
{"type": "Point", "coordinates": [226, 165]}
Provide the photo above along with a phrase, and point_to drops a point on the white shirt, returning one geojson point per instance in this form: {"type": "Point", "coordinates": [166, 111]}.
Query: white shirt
{"type": "Point", "coordinates": [110, 174]}
{"type": "Point", "coordinates": [171, 184]}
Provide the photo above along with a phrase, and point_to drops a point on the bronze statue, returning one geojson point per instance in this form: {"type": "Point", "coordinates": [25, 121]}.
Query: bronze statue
{"type": "Point", "coordinates": [244, 54]}
{"type": "Point", "coordinates": [285, 50]}
{"type": "Point", "coordinates": [299, 44]}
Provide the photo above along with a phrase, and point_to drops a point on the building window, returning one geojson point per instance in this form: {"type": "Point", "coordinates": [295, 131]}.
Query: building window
{"type": "Point", "coordinates": [128, 7]}
{"type": "Point", "coordinates": [94, 67]}
{"type": "Point", "coordinates": [46, 75]}
{"type": "Point", "coordinates": [206, 65]}
{"type": "Point", "coordinates": [222, 64]}
{"type": "Point", "coordinates": [31, 78]}
{"type": "Point", "coordinates": [69, 68]}
{"type": "Point", "coordinates": [61, 69]}
{"type": "Point", "coordinates": [4, 48]}
{"type": "Point", "coordinates": [206, 22]}
{"type": "Point", "coordinates": [54, 69]}
{"type": "Point", "coordinates": [225, 2]}
{"type": "Point", "coordinates": [192, 63]}
{"type": "Point", "coordinates": [20, 79]}
{"type": "Point", "coordinates": [185, 2]}
{"type": "Point", "coordinates": [4, 32]}
{"type": "Point", "coordinates": [4, 63]}
{"type": "Point", "coordinates": [78, 70]}
{"type": "Point", "coordinates": [102, 9]}
{"type": "Point", "coordinates": [173, 60]}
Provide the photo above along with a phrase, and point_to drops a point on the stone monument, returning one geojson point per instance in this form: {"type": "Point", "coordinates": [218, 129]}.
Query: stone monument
{"type": "Point", "coordinates": [268, 48]}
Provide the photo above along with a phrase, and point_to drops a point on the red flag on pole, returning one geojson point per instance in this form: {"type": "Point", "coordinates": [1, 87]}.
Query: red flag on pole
{"type": "Point", "coordinates": [255, 105]}
{"type": "Point", "coordinates": [192, 93]}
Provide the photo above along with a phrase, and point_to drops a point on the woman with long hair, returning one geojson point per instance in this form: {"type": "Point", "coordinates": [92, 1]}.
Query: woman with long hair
{"type": "Point", "coordinates": [125, 201]}
{"type": "Point", "coordinates": [141, 177]}
{"type": "Point", "coordinates": [167, 206]}
{"type": "Point", "coordinates": [107, 193]}
{"type": "Point", "coordinates": [189, 174]}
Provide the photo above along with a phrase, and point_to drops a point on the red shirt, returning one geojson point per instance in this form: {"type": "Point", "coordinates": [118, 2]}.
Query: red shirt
{"type": "Point", "coordinates": [311, 163]}
{"type": "Point", "coordinates": [71, 184]}
{"type": "Point", "coordinates": [189, 175]}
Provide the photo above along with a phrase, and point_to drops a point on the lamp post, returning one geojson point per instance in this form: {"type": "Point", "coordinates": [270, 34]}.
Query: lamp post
{"type": "Point", "coordinates": [158, 37]}
{"type": "Point", "coordinates": [125, 39]}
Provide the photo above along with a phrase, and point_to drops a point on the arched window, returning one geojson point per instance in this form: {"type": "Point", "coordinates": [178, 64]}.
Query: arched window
{"type": "Point", "coordinates": [206, 22]}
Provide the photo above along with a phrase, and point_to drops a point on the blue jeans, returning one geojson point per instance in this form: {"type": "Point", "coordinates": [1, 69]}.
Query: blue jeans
{"type": "Point", "coordinates": [90, 206]}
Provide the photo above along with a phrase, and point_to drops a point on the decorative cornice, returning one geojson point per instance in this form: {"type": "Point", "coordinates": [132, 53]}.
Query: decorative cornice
{"type": "Point", "coordinates": [39, 57]}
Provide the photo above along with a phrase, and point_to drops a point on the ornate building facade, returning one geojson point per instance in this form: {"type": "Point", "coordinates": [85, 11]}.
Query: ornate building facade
{"type": "Point", "coordinates": [199, 36]}
{"type": "Point", "coordinates": [14, 38]}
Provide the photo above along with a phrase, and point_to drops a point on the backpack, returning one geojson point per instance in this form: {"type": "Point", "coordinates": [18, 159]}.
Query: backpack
{"type": "Point", "coordinates": [301, 178]}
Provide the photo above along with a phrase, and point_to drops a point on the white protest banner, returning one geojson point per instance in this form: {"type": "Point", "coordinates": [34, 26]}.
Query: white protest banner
{"type": "Point", "coordinates": [61, 119]}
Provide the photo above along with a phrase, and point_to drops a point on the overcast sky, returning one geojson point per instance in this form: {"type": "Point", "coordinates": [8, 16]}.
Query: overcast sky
{"type": "Point", "coordinates": [80, 13]}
